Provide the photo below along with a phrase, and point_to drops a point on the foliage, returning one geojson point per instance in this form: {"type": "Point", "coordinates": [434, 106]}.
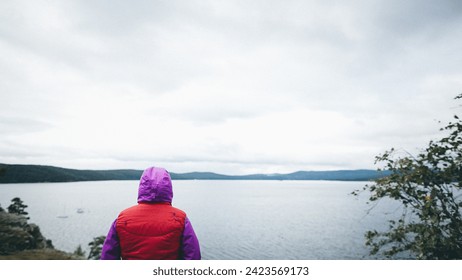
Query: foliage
{"type": "Point", "coordinates": [95, 247]}
{"type": "Point", "coordinates": [429, 188]}
{"type": "Point", "coordinates": [79, 252]}
{"type": "Point", "coordinates": [18, 173]}
{"type": "Point", "coordinates": [17, 207]}
{"type": "Point", "coordinates": [1, 209]}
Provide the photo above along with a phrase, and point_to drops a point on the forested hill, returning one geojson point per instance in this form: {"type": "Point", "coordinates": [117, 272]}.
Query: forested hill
{"type": "Point", "coordinates": [14, 173]}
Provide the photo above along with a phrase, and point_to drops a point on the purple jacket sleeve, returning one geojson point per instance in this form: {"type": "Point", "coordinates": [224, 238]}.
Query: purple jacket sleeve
{"type": "Point", "coordinates": [111, 246]}
{"type": "Point", "coordinates": [190, 245]}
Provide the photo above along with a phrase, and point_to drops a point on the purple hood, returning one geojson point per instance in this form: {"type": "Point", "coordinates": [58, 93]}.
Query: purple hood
{"type": "Point", "coordinates": [155, 186]}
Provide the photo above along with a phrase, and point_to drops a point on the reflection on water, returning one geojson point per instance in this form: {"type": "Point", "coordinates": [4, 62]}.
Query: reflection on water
{"type": "Point", "coordinates": [233, 219]}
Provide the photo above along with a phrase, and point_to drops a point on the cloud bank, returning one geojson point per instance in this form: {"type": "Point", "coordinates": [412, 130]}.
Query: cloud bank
{"type": "Point", "coordinates": [227, 86]}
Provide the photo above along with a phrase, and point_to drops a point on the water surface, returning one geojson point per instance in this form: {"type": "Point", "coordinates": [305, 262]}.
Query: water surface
{"type": "Point", "coordinates": [233, 219]}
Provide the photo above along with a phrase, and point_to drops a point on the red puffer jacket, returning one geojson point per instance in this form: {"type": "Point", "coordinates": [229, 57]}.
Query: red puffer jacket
{"type": "Point", "coordinates": [150, 231]}
{"type": "Point", "coordinates": [153, 229]}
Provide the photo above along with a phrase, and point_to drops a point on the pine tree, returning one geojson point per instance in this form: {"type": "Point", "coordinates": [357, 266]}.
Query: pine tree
{"type": "Point", "coordinates": [17, 207]}
{"type": "Point", "coordinates": [79, 252]}
{"type": "Point", "coordinates": [96, 247]}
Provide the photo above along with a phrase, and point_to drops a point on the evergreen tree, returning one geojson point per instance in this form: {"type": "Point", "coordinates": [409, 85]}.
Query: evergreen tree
{"type": "Point", "coordinates": [17, 207]}
{"type": "Point", "coordinates": [79, 252]}
{"type": "Point", "coordinates": [96, 247]}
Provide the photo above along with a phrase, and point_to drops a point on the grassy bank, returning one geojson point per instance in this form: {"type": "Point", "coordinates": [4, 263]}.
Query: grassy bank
{"type": "Point", "coordinates": [40, 254]}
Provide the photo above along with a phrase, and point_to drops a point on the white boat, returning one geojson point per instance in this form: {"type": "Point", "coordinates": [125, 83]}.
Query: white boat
{"type": "Point", "coordinates": [64, 214]}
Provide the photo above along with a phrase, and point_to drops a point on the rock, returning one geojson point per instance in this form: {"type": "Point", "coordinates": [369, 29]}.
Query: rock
{"type": "Point", "coordinates": [17, 235]}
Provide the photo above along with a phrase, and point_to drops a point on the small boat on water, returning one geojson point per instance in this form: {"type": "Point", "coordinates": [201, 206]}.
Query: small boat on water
{"type": "Point", "coordinates": [80, 210]}
{"type": "Point", "coordinates": [63, 214]}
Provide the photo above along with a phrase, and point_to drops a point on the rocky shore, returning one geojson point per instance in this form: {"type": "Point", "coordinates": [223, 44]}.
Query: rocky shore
{"type": "Point", "coordinates": [20, 240]}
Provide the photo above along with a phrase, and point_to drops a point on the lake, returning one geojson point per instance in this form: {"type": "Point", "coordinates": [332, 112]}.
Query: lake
{"type": "Point", "coordinates": [304, 220]}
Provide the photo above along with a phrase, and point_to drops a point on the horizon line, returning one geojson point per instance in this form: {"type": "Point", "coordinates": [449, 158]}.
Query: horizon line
{"type": "Point", "coordinates": [249, 174]}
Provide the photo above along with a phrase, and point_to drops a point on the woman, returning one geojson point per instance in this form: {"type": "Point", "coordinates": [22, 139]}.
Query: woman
{"type": "Point", "coordinates": [152, 229]}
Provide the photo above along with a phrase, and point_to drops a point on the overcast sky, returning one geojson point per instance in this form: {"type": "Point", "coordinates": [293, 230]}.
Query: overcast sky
{"type": "Point", "coordinates": [234, 87]}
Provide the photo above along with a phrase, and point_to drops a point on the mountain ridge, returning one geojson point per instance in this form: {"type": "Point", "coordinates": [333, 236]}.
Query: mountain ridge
{"type": "Point", "coordinates": [24, 173]}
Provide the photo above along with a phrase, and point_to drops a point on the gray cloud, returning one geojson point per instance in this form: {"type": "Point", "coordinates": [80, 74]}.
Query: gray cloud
{"type": "Point", "coordinates": [232, 86]}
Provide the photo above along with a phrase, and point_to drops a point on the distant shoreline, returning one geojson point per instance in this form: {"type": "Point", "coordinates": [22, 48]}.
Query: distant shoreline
{"type": "Point", "coordinates": [19, 173]}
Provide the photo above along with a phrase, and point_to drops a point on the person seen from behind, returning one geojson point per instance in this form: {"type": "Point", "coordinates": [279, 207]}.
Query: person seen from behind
{"type": "Point", "coordinates": [152, 229]}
